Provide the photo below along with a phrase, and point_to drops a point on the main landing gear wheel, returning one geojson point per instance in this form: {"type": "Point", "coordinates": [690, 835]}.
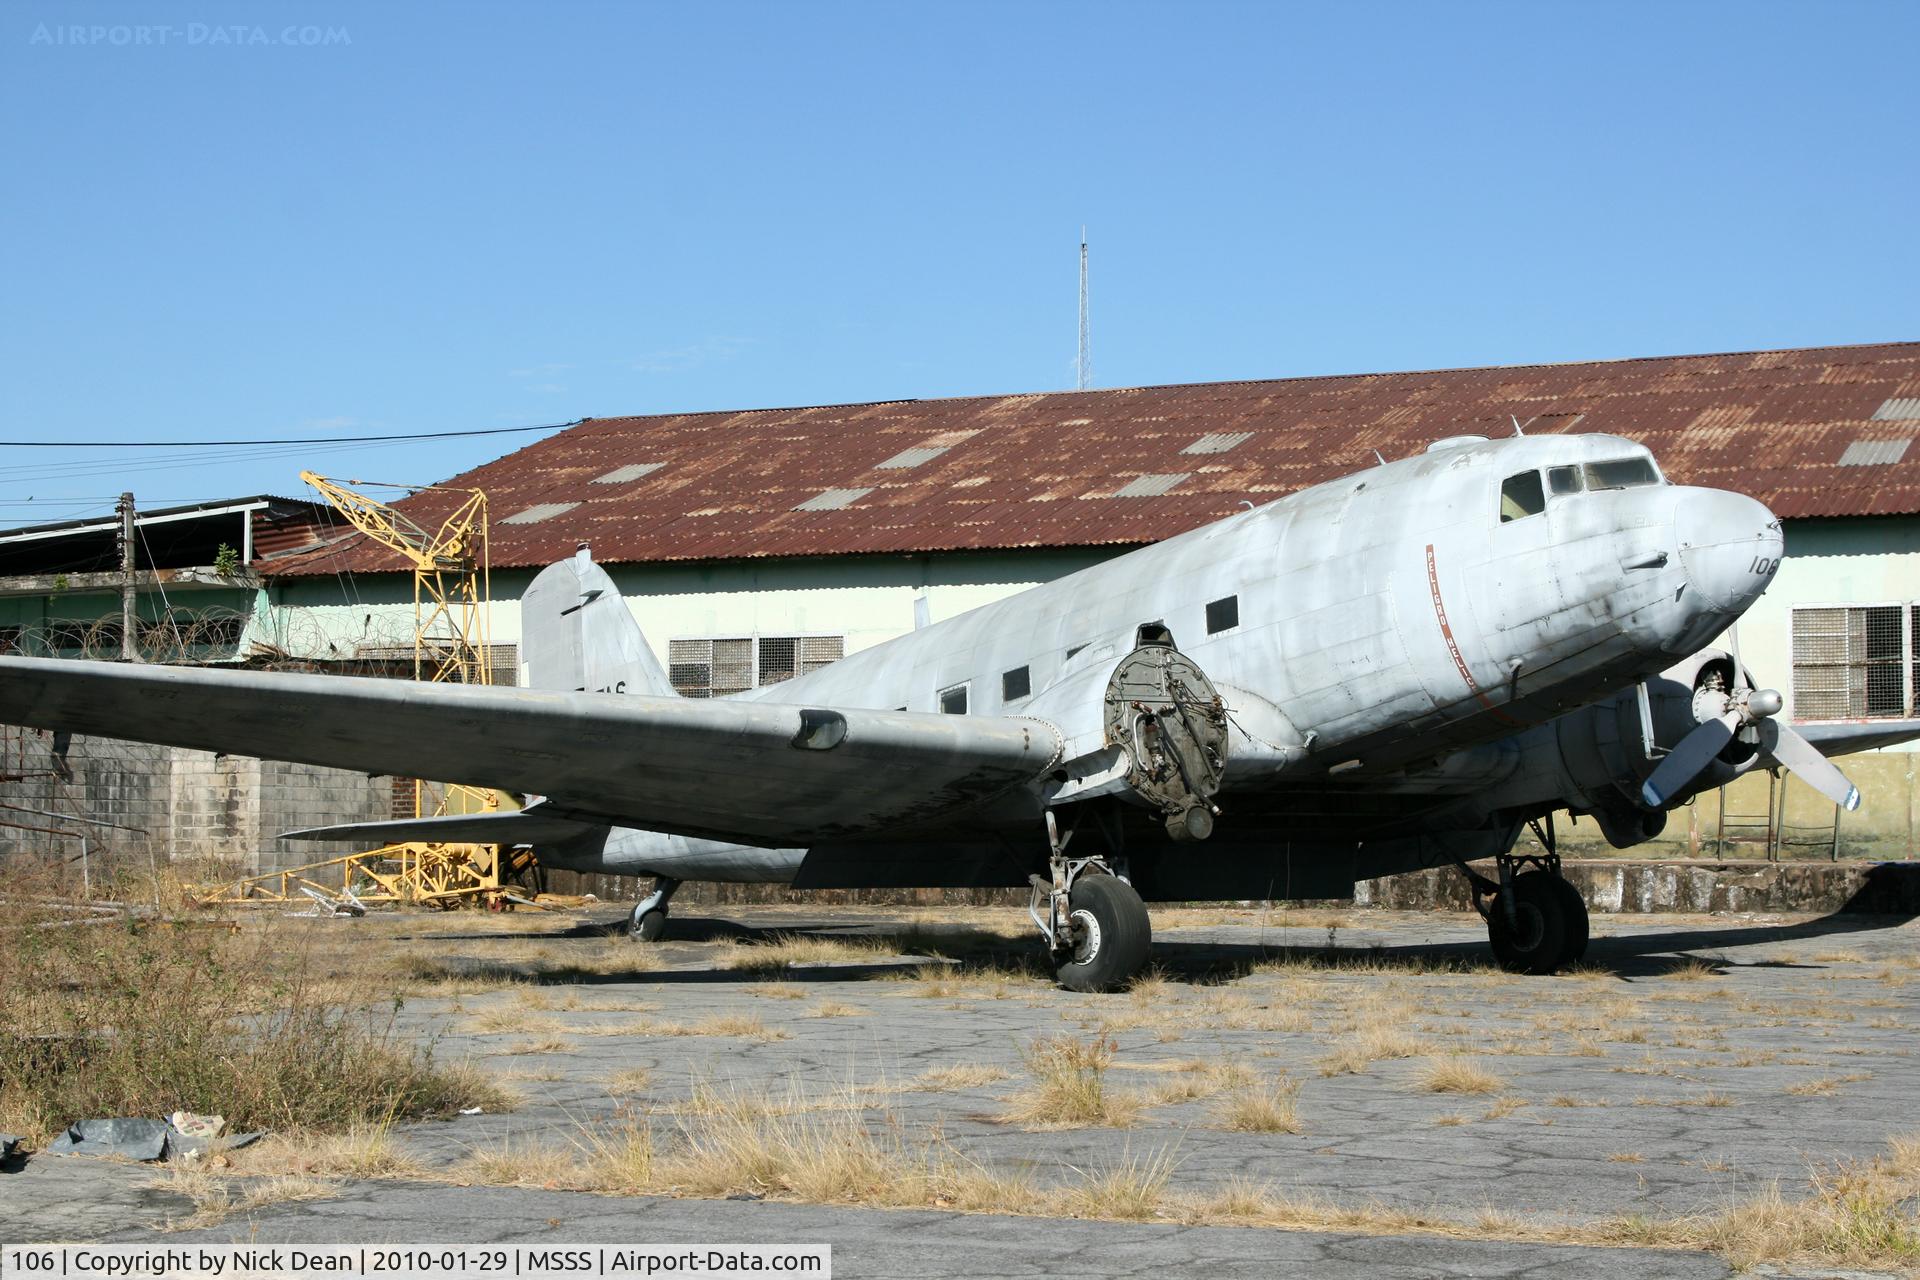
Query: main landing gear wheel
{"type": "Point", "coordinates": [1546, 929]}
{"type": "Point", "coordinates": [649, 919]}
{"type": "Point", "coordinates": [1575, 908]}
{"type": "Point", "coordinates": [1107, 935]}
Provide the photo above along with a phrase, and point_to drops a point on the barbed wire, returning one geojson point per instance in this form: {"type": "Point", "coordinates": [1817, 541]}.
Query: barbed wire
{"type": "Point", "coordinates": [274, 640]}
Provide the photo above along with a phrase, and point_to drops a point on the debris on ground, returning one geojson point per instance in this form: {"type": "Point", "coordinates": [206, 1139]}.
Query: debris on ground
{"type": "Point", "coordinates": [9, 1143]}
{"type": "Point", "coordinates": [184, 1137]}
{"type": "Point", "coordinates": [130, 1137]}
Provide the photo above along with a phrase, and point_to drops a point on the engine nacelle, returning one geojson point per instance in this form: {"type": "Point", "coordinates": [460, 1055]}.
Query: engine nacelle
{"type": "Point", "coordinates": [1594, 760]}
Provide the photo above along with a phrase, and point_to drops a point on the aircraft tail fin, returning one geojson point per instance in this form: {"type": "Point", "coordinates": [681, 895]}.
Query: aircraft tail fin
{"type": "Point", "coordinates": [577, 633]}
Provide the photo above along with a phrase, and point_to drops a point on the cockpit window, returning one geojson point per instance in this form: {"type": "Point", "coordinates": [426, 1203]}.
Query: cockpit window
{"type": "Point", "coordinates": [1521, 496]}
{"type": "Point", "coordinates": [1562, 481]}
{"type": "Point", "coordinates": [1621, 473]}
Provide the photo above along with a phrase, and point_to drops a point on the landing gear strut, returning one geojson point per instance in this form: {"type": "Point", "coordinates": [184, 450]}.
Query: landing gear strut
{"type": "Point", "coordinates": [1094, 922]}
{"type": "Point", "coordinates": [649, 918]}
{"type": "Point", "coordinates": [1536, 921]}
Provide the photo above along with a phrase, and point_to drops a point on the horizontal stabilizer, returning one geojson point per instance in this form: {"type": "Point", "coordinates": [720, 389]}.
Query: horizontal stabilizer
{"type": "Point", "coordinates": [517, 827]}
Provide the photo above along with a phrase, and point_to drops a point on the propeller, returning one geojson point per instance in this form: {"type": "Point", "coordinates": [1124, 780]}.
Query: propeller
{"type": "Point", "coordinates": [1739, 709]}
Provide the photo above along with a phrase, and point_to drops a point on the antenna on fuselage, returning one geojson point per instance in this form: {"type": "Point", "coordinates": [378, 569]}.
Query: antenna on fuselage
{"type": "Point", "coordinates": [1382, 461]}
{"type": "Point", "coordinates": [1515, 419]}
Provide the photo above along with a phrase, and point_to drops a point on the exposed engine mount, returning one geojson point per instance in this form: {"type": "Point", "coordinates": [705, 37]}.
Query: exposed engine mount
{"type": "Point", "coordinates": [1166, 715]}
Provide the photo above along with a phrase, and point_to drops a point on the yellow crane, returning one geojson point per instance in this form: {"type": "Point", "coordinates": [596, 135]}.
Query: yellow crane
{"type": "Point", "coordinates": [450, 607]}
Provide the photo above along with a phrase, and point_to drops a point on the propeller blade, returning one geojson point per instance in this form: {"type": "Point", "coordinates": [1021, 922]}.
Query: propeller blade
{"type": "Point", "coordinates": [1794, 752]}
{"type": "Point", "coordinates": [1694, 753]}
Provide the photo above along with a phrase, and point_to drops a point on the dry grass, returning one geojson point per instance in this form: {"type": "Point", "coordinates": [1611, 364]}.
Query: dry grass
{"type": "Point", "coordinates": [1690, 969]}
{"type": "Point", "coordinates": [965, 1075]}
{"type": "Point", "coordinates": [364, 1150]}
{"type": "Point", "coordinates": [545, 1044]}
{"type": "Point", "coordinates": [950, 982]}
{"type": "Point", "coordinates": [1132, 1189]}
{"type": "Point", "coordinates": [262, 1027]}
{"type": "Point", "coordinates": [834, 1009]}
{"type": "Point", "coordinates": [630, 1080]}
{"type": "Point", "coordinates": [789, 950]}
{"type": "Point", "coordinates": [1268, 1106]}
{"type": "Point", "coordinates": [1456, 1075]}
{"type": "Point", "coordinates": [776, 990]}
{"type": "Point", "coordinates": [519, 1161]}
{"type": "Point", "coordinates": [1192, 1079]}
{"type": "Point", "coordinates": [1352, 1053]}
{"type": "Point", "coordinates": [1070, 1088]}
{"type": "Point", "coordinates": [497, 1021]}
{"type": "Point", "coordinates": [217, 1198]}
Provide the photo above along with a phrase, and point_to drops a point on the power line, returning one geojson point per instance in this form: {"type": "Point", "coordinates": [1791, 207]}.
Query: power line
{"type": "Point", "coordinates": [208, 444]}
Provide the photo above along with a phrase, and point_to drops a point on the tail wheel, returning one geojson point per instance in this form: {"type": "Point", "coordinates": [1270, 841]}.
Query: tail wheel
{"type": "Point", "coordinates": [1110, 935]}
{"type": "Point", "coordinates": [650, 926]}
{"type": "Point", "coordinates": [1535, 939]}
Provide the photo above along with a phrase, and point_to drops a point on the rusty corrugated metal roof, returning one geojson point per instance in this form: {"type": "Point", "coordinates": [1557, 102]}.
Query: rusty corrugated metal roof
{"type": "Point", "coordinates": [1043, 470]}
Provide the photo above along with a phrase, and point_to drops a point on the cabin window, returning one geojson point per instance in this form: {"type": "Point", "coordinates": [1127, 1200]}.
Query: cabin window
{"type": "Point", "coordinates": [1075, 649]}
{"type": "Point", "coordinates": [1562, 481]}
{"type": "Point", "coordinates": [953, 701]}
{"type": "Point", "coordinates": [1223, 614]}
{"type": "Point", "coordinates": [1621, 473]}
{"type": "Point", "coordinates": [1521, 496]}
{"type": "Point", "coordinates": [1015, 684]}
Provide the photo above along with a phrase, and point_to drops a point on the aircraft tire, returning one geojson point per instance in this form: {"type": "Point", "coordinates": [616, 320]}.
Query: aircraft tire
{"type": "Point", "coordinates": [1539, 945]}
{"type": "Point", "coordinates": [1116, 935]}
{"type": "Point", "coordinates": [1576, 910]}
{"type": "Point", "coordinates": [649, 927]}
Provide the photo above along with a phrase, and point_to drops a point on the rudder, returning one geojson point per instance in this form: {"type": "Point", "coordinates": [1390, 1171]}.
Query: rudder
{"type": "Point", "coordinates": [577, 633]}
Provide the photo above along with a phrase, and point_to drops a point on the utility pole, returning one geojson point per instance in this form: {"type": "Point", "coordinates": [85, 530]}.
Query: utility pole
{"type": "Point", "coordinates": [129, 651]}
{"type": "Point", "coordinates": [1084, 365]}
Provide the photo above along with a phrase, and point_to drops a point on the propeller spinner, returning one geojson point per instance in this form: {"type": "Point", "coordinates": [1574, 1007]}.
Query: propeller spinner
{"type": "Point", "coordinates": [1722, 714]}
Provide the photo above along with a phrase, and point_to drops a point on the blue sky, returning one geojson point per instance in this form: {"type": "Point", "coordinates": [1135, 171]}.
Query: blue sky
{"type": "Point", "coordinates": [347, 218]}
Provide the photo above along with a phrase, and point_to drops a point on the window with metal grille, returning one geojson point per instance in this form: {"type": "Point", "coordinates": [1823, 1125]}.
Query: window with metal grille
{"type": "Point", "coordinates": [713, 667]}
{"type": "Point", "coordinates": [1855, 662]}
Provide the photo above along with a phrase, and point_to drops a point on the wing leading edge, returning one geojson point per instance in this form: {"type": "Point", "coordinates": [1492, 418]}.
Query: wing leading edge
{"type": "Point", "coordinates": [747, 772]}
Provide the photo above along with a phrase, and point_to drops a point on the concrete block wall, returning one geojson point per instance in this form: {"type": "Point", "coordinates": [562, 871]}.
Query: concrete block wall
{"type": "Point", "coordinates": [187, 806]}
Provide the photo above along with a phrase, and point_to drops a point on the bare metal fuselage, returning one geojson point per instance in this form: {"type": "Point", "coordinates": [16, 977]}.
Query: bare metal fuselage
{"type": "Point", "coordinates": [1392, 631]}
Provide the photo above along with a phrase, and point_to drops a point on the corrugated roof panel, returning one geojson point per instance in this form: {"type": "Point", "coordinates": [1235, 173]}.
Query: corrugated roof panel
{"type": "Point", "coordinates": [632, 471]}
{"type": "Point", "coordinates": [1218, 442]}
{"type": "Point", "coordinates": [1151, 486]}
{"type": "Point", "coordinates": [1874, 453]}
{"type": "Point", "coordinates": [833, 500]}
{"type": "Point", "coordinates": [540, 511]}
{"type": "Point", "coordinates": [912, 457]}
{"type": "Point", "coordinates": [1773, 424]}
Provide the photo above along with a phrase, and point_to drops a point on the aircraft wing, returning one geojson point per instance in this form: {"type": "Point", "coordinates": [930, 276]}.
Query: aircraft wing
{"type": "Point", "coordinates": [745, 772]}
{"type": "Point", "coordinates": [1842, 737]}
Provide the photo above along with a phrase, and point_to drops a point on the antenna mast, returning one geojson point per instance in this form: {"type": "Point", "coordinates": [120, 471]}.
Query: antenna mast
{"type": "Point", "coordinates": [1084, 365]}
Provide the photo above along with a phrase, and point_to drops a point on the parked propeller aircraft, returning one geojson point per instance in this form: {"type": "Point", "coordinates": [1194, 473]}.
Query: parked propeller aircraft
{"type": "Point", "coordinates": [1401, 669]}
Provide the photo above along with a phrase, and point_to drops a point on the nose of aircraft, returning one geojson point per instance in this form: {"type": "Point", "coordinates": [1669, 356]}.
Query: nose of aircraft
{"type": "Point", "coordinates": [1730, 546]}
